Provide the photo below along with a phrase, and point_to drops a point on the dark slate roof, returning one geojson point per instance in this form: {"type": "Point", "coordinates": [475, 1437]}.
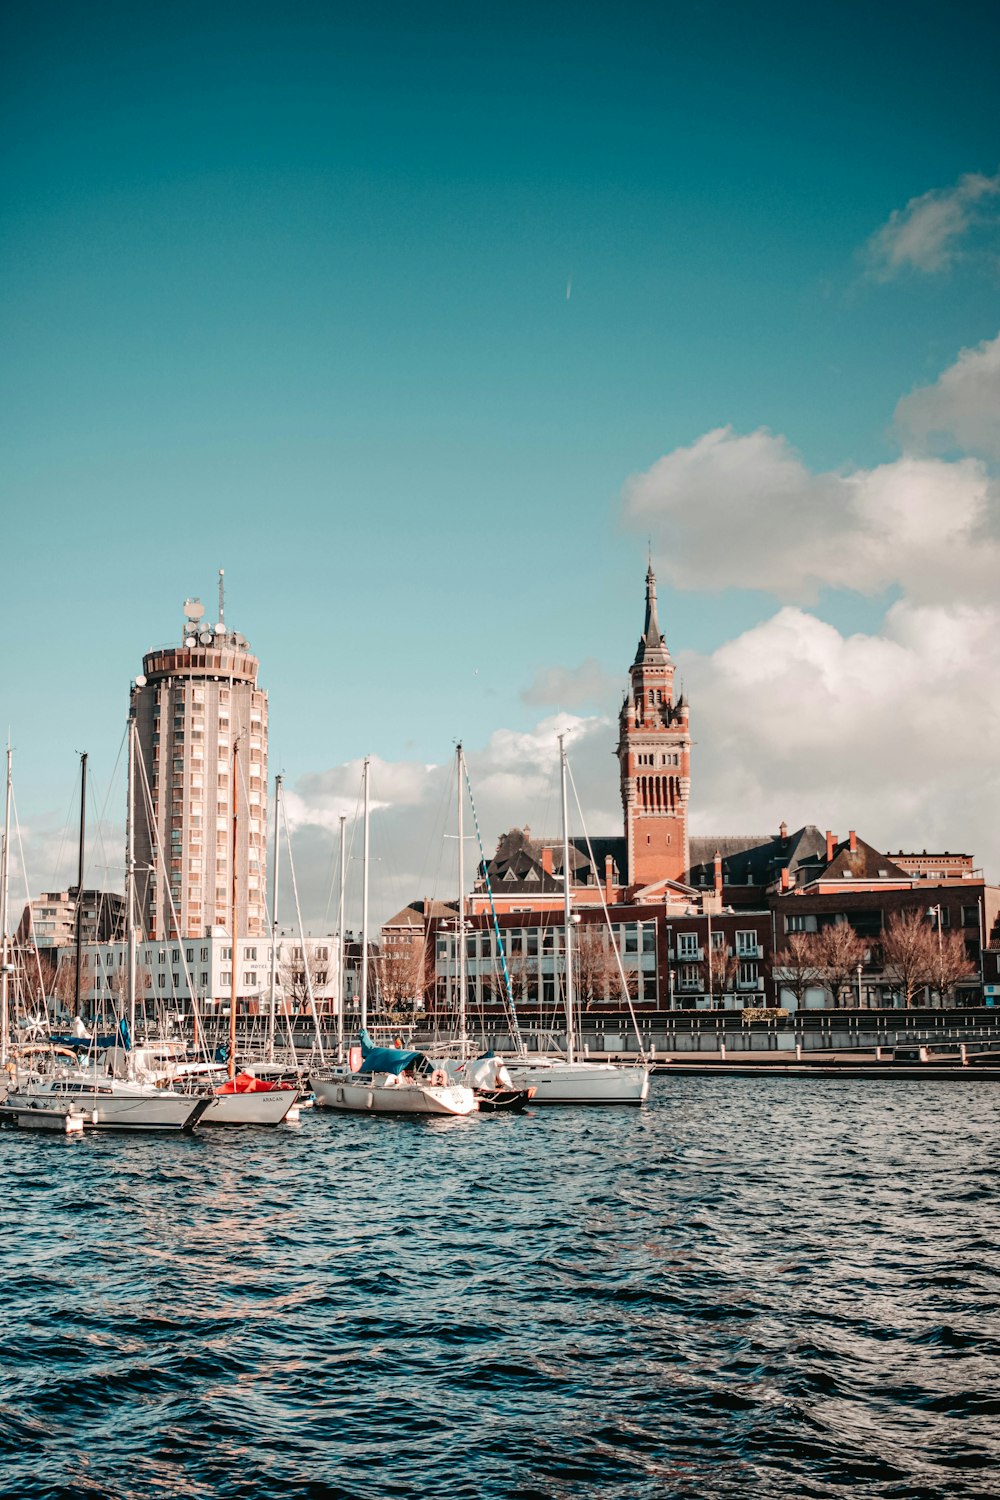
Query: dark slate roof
{"type": "Point", "coordinates": [414, 913]}
{"type": "Point", "coordinates": [757, 859]}
{"type": "Point", "coordinates": [518, 861]}
{"type": "Point", "coordinates": [863, 863]}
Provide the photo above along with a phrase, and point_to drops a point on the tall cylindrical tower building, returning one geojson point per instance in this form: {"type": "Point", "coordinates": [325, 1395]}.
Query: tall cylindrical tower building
{"type": "Point", "coordinates": [192, 704]}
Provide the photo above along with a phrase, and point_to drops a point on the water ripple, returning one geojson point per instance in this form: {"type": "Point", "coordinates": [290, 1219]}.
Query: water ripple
{"type": "Point", "coordinates": [737, 1291]}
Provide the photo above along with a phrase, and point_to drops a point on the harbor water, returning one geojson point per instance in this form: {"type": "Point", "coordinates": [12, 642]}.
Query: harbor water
{"type": "Point", "coordinates": [751, 1287]}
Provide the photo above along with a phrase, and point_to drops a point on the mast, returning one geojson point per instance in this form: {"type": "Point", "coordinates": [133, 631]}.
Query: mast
{"type": "Point", "coordinates": [79, 882]}
{"type": "Point", "coordinates": [567, 913]}
{"type": "Point", "coordinates": [274, 917]}
{"type": "Point", "coordinates": [462, 1028]}
{"type": "Point", "coordinates": [130, 873]}
{"type": "Point", "coordinates": [231, 1061]}
{"type": "Point", "coordinates": [340, 941]}
{"type": "Point", "coordinates": [4, 904]}
{"type": "Point", "coordinates": [364, 911]}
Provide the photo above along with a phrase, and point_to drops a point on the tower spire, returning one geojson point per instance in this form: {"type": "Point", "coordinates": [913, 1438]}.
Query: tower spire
{"type": "Point", "coordinates": [651, 644]}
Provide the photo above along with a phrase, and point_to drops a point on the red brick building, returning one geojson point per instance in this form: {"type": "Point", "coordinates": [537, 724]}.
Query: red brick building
{"type": "Point", "coordinates": [679, 921]}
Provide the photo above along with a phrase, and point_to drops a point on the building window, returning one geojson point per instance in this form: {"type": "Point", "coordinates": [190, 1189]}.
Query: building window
{"type": "Point", "coordinates": [690, 977]}
{"type": "Point", "coordinates": [970, 916]}
{"type": "Point", "coordinates": [687, 944]}
{"type": "Point", "coordinates": [746, 944]}
{"type": "Point", "coordinates": [226, 977]}
{"type": "Point", "coordinates": [747, 977]}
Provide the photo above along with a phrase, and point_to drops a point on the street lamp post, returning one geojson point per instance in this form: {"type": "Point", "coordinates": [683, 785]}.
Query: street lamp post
{"type": "Point", "coordinates": [931, 910]}
{"type": "Point", "coordinates": [670, 966]}
{"type": "Point", "coordinates": [859, 986]}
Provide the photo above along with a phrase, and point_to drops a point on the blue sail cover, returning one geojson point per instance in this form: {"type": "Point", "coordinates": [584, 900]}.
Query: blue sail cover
{"type": "Point", "coordinates": [384, 1059]}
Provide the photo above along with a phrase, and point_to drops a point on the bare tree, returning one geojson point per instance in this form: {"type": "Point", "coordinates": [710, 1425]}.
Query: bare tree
{"type": "Point", "coordinates": [596, 970]}
{"type": "Point", "coordinates": [840, 952]}
{"type": "Point", "coordinates": [910, 949]}
{"type": "Point", "coordinates": [720, 970]}
{"type": "Point", "coordinates": [953, 964]}
{"type": "Point", "coordinates": [399, 980]}
{"type": "Point", "coordinates": [801, 965]}
{"type": "Point", "coordinates": [520, 972]}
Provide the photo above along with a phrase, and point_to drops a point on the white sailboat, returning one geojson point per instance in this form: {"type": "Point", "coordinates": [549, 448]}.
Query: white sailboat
{"type": "Point", "coordinates": [487, 1074]}
{"type": "Point", "coordinates": [569, 1079]}
{"type": "Point", "coordinates": [243, 1098]}
{"type": "Point", "coordinates": [105, 1101]}
{"type": "Point", "coordinates": [389, 1080]}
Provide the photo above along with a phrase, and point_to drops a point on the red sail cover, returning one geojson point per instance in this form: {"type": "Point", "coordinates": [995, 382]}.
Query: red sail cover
{"type": "Point", "coordinates": [246, 1083]}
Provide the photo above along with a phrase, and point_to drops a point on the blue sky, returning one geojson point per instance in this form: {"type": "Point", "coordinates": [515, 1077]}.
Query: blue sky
{"type": "Point", "coordinates": [382, 315]}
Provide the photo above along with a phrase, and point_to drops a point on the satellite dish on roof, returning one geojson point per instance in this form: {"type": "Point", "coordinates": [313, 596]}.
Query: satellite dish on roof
{"type": "Point", "coordinates": [140, 681]}
{"type": "Point", "coordinates": [193, 609]}
{"type": "Point", "coordinates": [220, 629]}
{"type": "Point", "coordinates": [205, 637]}
{"type": "Point", "coordinates": [189, 640]}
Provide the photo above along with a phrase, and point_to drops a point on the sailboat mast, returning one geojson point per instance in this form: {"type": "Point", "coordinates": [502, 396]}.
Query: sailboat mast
{"type": "Point", "coordinates": [231, 1061]}
{"type": "Point", "coordinates": [4, 905]}
{"type": "Point", "coordinates": [79, 883]}
{"type": "Point", "coordinates": [567, 913]}
{"type": "Point", "coordinates": [274, 917]}
{"type": "Point", "coordinates": [364, 910]}
{"type": "Point", "coordinates": [130, 876]}
{"type": "Point", "coordinates": [340, 941]}
{"type": "Point", "coordinates": [462, 983]}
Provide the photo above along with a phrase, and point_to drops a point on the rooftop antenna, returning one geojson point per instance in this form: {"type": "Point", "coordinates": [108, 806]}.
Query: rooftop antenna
{"type": "Point", "coordinates": [222, 596]}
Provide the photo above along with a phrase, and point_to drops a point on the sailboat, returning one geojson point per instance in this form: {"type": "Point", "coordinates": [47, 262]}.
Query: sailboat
{"type": "Point", "coordinates": [388, 1080]}
{"type": "Point", "coordinates": [244, 1099]}
{"type": "Point", "coordinates": [568, 1079]}
{"type": "Point", "coordinates": [487, 1074]}
{"type": "Point", "coordinates": [104, 1100]}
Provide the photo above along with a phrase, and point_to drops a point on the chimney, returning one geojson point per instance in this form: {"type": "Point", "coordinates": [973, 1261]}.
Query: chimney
{"type": "Point", "coordinates": [854, 841]}
{"type": "Point", "coordinates": [718, 872]}
{"type": "Point", "coordinates": [547, 860]}
{"type": "Point", "coordinates": [609, 878]}
{"type": "Point", "coordinates": [783, 832]}
{"type": "Point", "coordinates": [785, 879]}
{"type": "Point", "coordinates": [829, 847]}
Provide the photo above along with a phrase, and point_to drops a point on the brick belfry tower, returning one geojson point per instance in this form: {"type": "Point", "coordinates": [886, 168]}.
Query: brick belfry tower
{"type": "Point", "coordinates": [654, 752]}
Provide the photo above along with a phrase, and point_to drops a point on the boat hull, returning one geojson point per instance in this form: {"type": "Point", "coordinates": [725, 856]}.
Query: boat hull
{"type": "Point", "coordinates": [369, 1096]}
{"type": "Point", "coordinates": [268, 1107]}
{"type": "Point", "coordinates": [157, 1110]}
{"type": "Point", "coordinates": [556, 1082]}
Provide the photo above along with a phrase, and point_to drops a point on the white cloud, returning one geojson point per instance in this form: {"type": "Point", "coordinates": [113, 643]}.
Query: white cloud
{"type": "Point", "coordinates": [891, 734]}
{"type": "Point", "coordinates": [514, 779]}
{"type": "Point", "coordinates": [743, 511]}
{"type": "Point", "coordinates": [926, 234]}
{"type": "Point", "coordinates": [962, 407]}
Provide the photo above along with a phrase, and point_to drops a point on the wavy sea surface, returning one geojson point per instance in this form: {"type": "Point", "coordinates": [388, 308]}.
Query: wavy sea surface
{"type": "Point", "coordinates": [749, 1288]}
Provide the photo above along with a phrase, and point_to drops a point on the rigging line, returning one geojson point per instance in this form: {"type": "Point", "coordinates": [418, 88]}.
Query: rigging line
{"type": "Point", "coordinates": [147, 802]}
{"type": "Point", "coordinates": [27, 897]}
{"type": "Point", "coordinates": [508, 994]}
{"type": "Point", "coordinates": [307, 965]}
{"type": "Point", "coordinates": [100, 855]}
{"type": "Point", "coordinates": [607, 918]}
